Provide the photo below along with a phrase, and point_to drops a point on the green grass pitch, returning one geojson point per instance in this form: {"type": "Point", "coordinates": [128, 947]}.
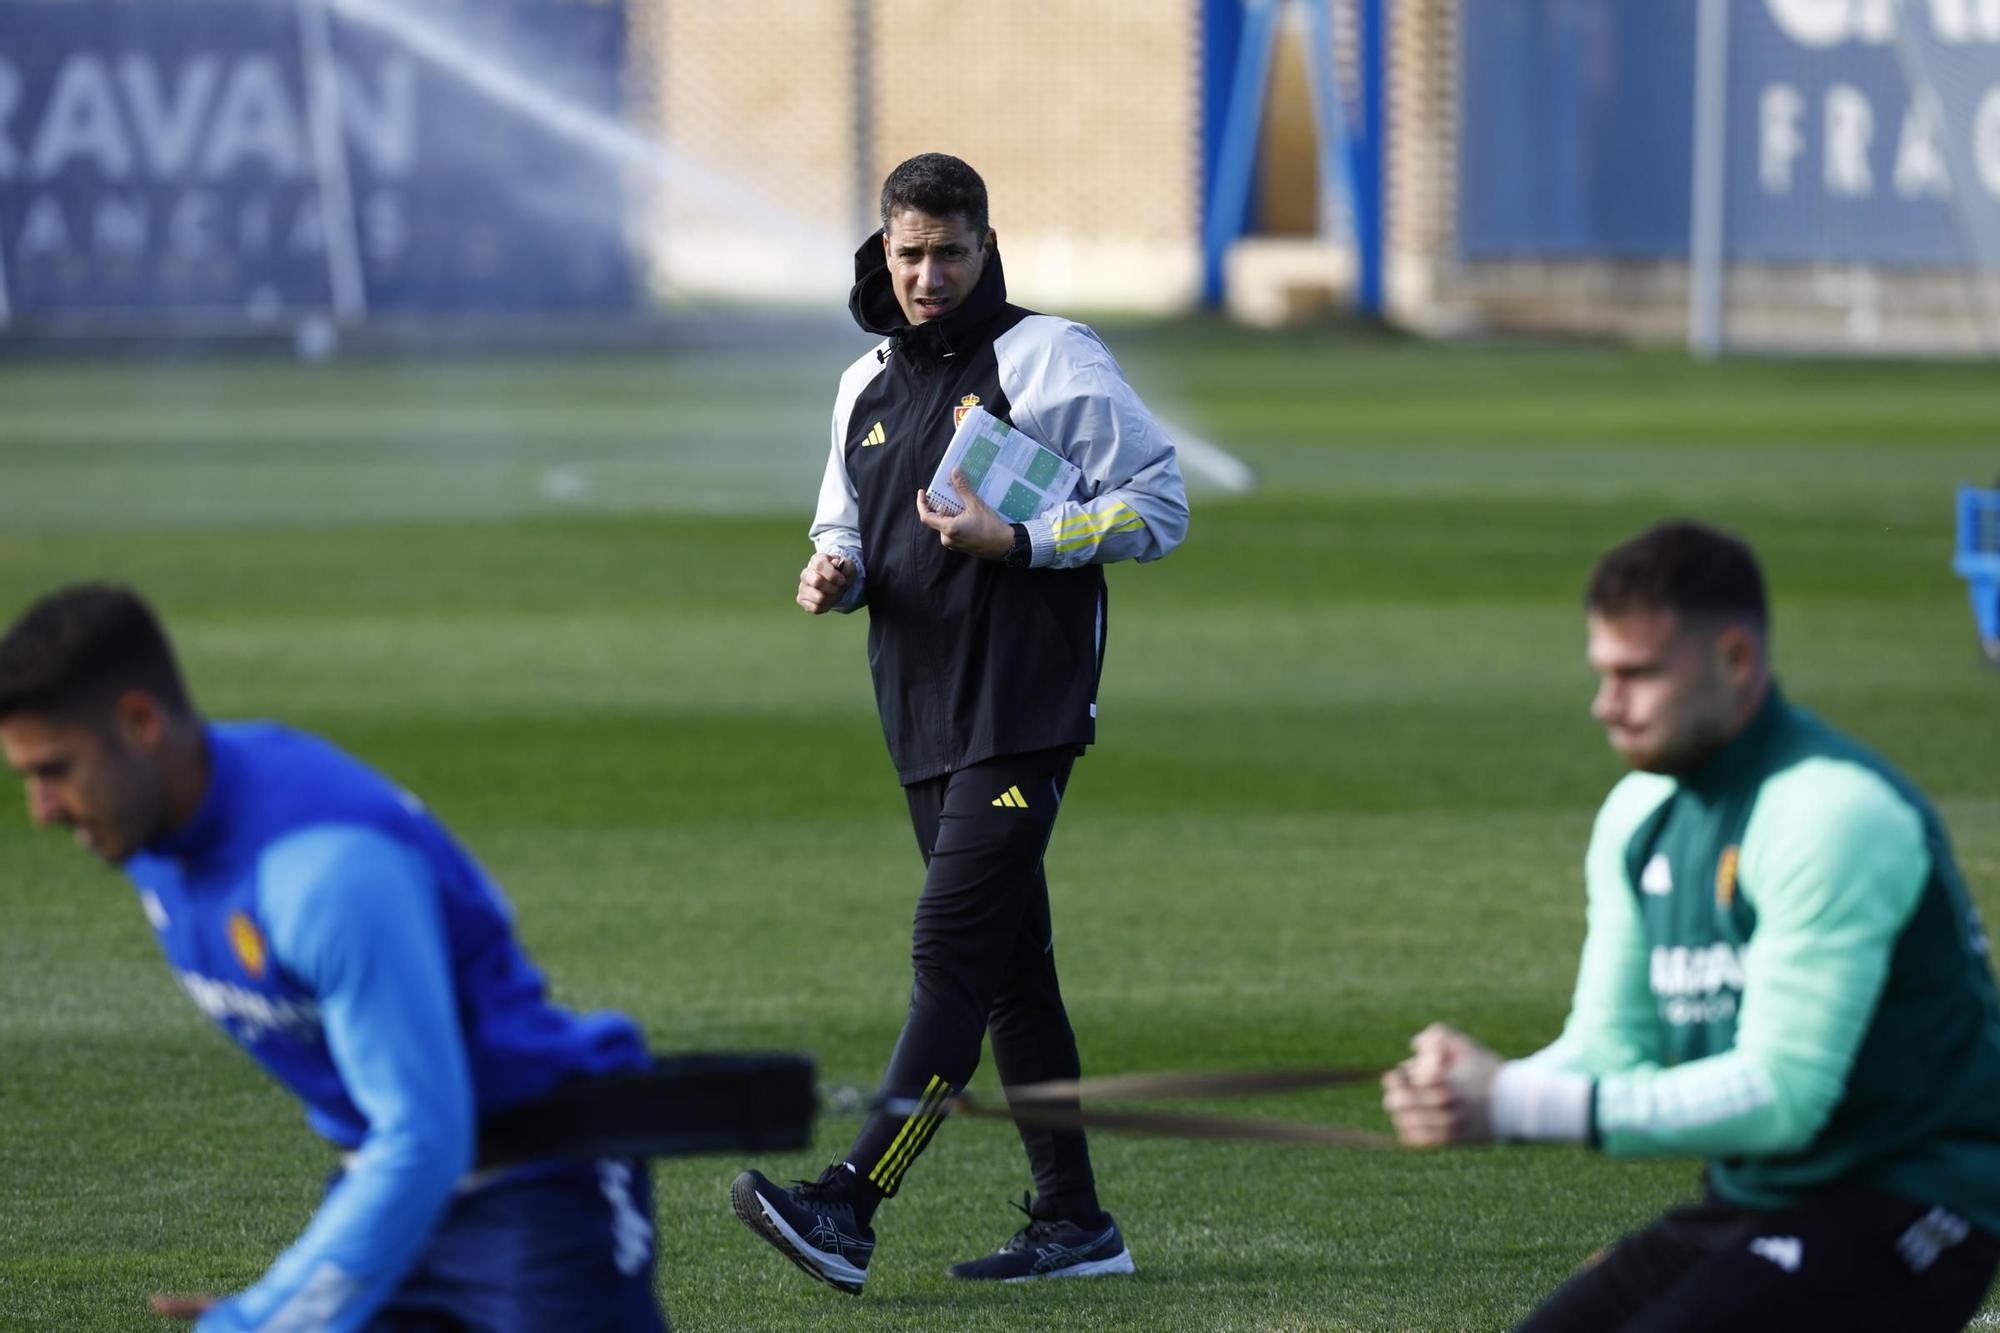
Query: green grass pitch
{"type": "Point", "coordinates": [1344, 776]}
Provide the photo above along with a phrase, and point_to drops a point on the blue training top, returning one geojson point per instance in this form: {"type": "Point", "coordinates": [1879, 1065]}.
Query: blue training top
{"type": "Point", "coordinates": [336, 931]}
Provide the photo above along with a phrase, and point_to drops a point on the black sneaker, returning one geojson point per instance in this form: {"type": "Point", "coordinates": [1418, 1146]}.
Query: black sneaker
{"type": "Point", "coordinates": [1052, 1249]}
{"type": "Point", "coordinates": [812, 1224]}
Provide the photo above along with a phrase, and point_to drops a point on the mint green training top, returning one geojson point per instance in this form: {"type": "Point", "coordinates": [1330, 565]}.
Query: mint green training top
{"type": "Point", "coordinates": [1783, 972]}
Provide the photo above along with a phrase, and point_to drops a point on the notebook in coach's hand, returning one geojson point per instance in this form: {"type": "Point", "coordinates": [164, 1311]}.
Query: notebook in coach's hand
{"type": "Point", "coordinates": [1017, 476]}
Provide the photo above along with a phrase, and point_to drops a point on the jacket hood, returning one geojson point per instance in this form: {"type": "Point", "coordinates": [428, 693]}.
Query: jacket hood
{"type": "Point", "coordinates": [872, 302]}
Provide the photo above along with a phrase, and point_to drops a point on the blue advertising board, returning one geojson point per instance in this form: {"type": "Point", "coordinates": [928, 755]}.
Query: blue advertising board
{"type": "Point", "coordinates": [219, 162]}
{"type": "Point", "coordinates": [1845, 139]}
{"type": "Point", "coordinates": [1574, 127]}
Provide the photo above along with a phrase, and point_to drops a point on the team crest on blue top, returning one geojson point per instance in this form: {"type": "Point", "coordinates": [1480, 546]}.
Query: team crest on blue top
{"type": "Point", "coordinates": [247, 943]}
{"type": "Point", "coordinates": [965, 404]}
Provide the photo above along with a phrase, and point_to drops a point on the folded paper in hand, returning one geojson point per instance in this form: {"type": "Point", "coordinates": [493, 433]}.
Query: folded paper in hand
{"type": "Point", "coordinates": [1016, 476]}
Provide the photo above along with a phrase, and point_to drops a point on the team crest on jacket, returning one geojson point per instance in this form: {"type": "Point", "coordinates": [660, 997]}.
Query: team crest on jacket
{"type": "Point", "coordinates": [247, 942]}
{"type": "Point", "coordinates": [1725, 877]}
{"type": "Point", "coordinates": [965, 404]}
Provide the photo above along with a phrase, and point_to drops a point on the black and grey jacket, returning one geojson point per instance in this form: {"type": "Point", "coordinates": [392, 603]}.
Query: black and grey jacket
{"type": "Point", "coordinates": [972, 659]}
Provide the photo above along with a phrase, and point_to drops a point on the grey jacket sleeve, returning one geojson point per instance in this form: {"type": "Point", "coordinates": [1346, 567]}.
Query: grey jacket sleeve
{"type": "Point", "coordinates": [1067, 392]}
{"type": "Point", "coordinates": [836, 526]}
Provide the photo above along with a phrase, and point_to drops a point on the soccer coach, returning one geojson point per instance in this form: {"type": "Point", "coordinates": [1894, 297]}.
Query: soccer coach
{"type": "Point", "coordinates": [1782, 972]}
{"type": "Point", "coordinates": [986, 643]}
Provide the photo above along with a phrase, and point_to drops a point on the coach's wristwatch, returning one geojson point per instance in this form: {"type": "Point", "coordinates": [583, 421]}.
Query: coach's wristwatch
{"type": "Point", "coordinates": [1022, 553]}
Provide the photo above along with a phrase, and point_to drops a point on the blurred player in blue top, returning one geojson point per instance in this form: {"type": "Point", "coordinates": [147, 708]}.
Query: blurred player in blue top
{"type": "Point", "coordinates": [332, 927]}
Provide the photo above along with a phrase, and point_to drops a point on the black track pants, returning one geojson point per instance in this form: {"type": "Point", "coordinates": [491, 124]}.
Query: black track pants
{"type": "Point", "coordinates": [1848, 1259]}
{"type": "Point", "coordinates": [984, 959]}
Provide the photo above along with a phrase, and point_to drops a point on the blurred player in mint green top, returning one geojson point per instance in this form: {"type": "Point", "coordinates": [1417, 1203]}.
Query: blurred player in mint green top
{"type": "Point", "coordinates": [1782, 973]}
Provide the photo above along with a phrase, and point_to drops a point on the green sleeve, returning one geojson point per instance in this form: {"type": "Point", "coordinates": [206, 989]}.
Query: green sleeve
{"type": "Point", "coordinates": [1612, 1021]}
{"type": "Point", "coordinates": [1834, 861]}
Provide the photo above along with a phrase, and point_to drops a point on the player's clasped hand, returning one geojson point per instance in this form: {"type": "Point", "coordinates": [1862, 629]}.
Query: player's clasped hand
{"type": "Point", "coordinates": [1443, 1093]}
{"type": "Point", "coordinates": [978, 531]}
{"type": "Point", "coordinates": [823, 582]}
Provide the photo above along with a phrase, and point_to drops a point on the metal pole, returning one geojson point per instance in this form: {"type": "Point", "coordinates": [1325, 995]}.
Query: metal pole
{"type": "Point", "coordinates": [1236, 162]}
{"type": "Point", "coordinates": [1710, 183]}
{"type": "Point", "coordinates": [862, 63]}
{"type": "Point", "coordinates": [343, 241]}
{"type": "Point", "coordinates": [1370, 205]}
{"type": "Point", "coordinates": [1339, 196]}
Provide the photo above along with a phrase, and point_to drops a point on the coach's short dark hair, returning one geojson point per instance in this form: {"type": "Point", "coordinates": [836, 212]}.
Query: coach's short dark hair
{"type": "Point", "coordinates": [938, 184]}
{"type": "Point", "coordinates": [1696, 571]}
{"type": "Point", "coordinates": [81, 647]}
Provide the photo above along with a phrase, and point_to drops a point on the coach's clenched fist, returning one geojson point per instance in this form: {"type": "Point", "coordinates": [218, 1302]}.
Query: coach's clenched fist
{"type": "Point", "coordinates": [823, 582]}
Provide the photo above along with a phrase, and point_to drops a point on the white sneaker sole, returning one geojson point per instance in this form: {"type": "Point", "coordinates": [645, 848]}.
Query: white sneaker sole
{"type": "Point", "coordinates": [761, 1218]}
{"type": "Point", "coordinates": [1120, 1262]}
{"type": "Point", "coordinates": [831, 1267]}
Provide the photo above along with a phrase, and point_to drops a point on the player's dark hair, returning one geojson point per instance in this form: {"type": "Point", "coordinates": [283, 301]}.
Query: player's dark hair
{"type": "Point", "coordinates": [938, 184]}
{"type": "Point", "coordinates": [81, 647]}
{"type": "Point", "coordinates": [1689, 568]}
